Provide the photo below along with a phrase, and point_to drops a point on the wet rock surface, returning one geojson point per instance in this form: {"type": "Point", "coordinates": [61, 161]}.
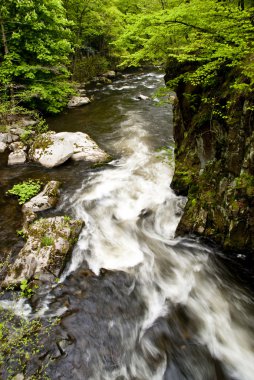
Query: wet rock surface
{"type": "Point", "coordinates": [111, 311]}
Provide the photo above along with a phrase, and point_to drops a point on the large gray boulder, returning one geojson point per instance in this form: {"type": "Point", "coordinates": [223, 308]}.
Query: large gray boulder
{"type": "Point", "coordinates": [52, 149]}
{"type": "Point", "coordinates": [48, 243]}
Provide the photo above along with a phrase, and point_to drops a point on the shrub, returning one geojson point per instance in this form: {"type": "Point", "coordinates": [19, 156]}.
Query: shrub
{"type": "Point", "coordinates": [25, 190]}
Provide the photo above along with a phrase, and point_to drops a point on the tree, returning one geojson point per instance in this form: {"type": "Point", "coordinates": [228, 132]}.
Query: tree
{"type": "Point", "coordinates": [212, 34]}
{"type": "Point", "coordinates": [94, 24]}
{"type": "Point", "coordinates": [34, 52]}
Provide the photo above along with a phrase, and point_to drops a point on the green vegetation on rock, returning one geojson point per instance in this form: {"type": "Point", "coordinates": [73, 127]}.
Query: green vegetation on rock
{"type": "Point", "coordinates": [25, 190]}
{"type": "Point", "coordinates": [46, 241]}
{"type": "Point", "coordinates": [20, 340]}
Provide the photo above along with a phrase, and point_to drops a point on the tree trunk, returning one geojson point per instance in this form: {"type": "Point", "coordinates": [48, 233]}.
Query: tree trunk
{"type": "Point", "coordinates": [163, 4]}
{"type": "Point", "coordinates": [6, 50]}
{"type": "Point", "coordinates": [241, 4]}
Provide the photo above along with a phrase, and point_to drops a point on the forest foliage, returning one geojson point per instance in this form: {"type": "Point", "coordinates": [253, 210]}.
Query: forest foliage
{"type": "Point", "coordinates": [208, 34]}
{"type": "Point", "coordinates": [44, 42]}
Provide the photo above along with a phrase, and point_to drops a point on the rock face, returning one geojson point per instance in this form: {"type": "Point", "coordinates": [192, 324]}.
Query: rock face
{"type": "Point", "coordinates": [77, 101]}
{"type": "Point", "coordinates": [215, 161]}
{"type": "Point", "coordinates": [52, 149]}
{"type": "Point", "coordinates": [48, 243]}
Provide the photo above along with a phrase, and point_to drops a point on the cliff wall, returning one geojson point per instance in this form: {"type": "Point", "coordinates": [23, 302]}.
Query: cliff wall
{"type": "Point", "coordinates": [214, 152]}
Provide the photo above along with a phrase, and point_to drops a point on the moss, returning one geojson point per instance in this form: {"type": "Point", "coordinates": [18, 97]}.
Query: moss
{"type": "Point", "coordinates": [182, 181]}
{"type": "Point", "coordinates": [43, 142]}
{"type": "Point", "coordinates": [102, 163]}
{"type": "Point", "coordinates": [222, 192]}
{"type": "Point", "coordinates": [3, 129]}
{"type": "Point", "coordinates": [246, 181]}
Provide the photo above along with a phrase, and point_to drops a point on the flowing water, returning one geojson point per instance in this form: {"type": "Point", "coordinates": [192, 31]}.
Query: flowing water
{"type": "Point", "coordinates": [136, 303]}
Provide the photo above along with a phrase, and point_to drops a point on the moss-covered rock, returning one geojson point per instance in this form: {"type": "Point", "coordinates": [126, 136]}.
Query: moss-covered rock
{"type": "Point", "coordinates": [49, 241]}
{"type": "Point", "coordinates": [45, 200]}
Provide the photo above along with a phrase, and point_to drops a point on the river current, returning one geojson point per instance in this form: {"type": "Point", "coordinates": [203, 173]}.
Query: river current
{"type": "Point", "coordinates": [136, 302]}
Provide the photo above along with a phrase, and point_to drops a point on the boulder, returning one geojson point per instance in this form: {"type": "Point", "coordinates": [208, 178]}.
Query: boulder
{"type": "Point", "coordinates": [48, 243]}
{"type": "Point", "coordinates": [85, 148]}
{"type": "Point", "coordinates": [17, 157]}
{"type": "Point", "coordinates": [51, 149]}
{"type": "Point", "coordinates": [105, 80]}
{"type": "Point", "coordinates": [14, 137]}
{"type": "Point", "coordinates": [109, 74]}
{"type": "Point", "coordinates": [19, 376]}
{"type": "Point", "coordinates": [27, 122]}
{"type": "Point", "coordinates": [17, 145]}
{"type": "Point", "coordinates": [142, 97]}
{"type": "Point", "coordinates": [77, 101]}
{"type": "Point", "coordinates": [17, 131]}
{"type": "Point", "coordinates": [45, 200]}
{"type": "Point", "coordinates": [82, 92]}
{"type": "Point", "coordinates": [23, 123]}
{"type": "Point", "coordinates": [9, 138]}
{"type": "Point", "coordinates": [3, 146]}
{"type": "Point", "coordinates": [4, 137]}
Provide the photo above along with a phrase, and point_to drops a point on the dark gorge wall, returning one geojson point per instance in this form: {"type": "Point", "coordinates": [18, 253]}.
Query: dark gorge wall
{"type": "Point", "coordinates": [214, 152]}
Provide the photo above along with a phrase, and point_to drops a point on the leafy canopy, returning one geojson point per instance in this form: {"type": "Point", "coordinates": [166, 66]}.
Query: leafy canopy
{"type": "Point", "coordinates": [212, 34]}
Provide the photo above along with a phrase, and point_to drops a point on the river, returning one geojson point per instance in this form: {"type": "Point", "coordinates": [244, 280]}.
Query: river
{"type": "Point", "coordinates": [135, 302]}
